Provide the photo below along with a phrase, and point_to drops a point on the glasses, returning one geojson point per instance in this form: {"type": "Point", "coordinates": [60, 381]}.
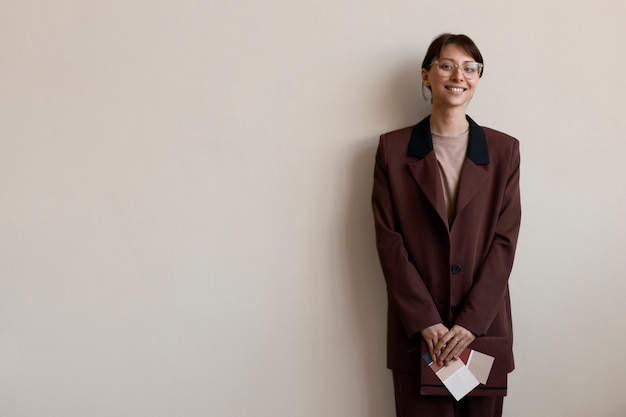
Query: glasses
{"type": "Point", "coordinates": [470, 69]}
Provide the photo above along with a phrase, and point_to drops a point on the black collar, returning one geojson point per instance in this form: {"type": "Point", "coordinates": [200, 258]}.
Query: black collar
{"type": "Point", "coordinates": [421, 142]}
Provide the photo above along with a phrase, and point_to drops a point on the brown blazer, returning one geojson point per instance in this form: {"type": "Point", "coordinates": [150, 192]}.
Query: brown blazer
{"type": "Point", "coordinates": [436, 273]}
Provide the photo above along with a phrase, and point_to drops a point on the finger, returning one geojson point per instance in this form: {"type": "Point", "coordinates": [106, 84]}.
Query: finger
{"type": "Point", "coordinates": [443, 354]}
{"type": "Point", "coordinates": [452, 350]}
{"type": "Point", "coordinates": [439, 350]}
{"type": "Point", "coordinates": [458, 349]}
{"type": "Point", "coordinates": [442, 343]}
{"type": "Point", "coordinates": [462, 346]}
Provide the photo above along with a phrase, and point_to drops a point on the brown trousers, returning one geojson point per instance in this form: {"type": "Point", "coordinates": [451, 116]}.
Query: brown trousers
{"type": "Point", "coordinates": [410, 403]}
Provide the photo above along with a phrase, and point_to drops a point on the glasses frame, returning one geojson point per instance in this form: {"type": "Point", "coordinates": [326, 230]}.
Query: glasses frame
{"type": "Point", "coordinates": [455, 67]}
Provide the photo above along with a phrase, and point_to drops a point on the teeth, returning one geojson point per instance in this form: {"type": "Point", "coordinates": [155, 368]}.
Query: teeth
{"type": "Point", "coordinates": [456, 89]}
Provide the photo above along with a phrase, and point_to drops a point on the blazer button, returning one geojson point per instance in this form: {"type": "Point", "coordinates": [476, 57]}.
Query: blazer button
{"type": "Point", "coordinates": [455, 309]}
{"type": "Point", "coordinates": [456, 269]}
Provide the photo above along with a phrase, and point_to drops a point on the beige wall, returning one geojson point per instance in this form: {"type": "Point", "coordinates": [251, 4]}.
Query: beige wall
{"type": "Point", "coordinates": [185, 226]}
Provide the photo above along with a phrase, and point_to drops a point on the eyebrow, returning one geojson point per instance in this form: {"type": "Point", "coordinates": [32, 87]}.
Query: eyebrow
{"type": "Point", "coordinates": [450, 59]}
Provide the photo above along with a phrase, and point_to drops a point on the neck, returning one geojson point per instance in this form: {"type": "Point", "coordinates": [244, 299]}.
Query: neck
{"type": "Point", "coordinates": [448, 123]}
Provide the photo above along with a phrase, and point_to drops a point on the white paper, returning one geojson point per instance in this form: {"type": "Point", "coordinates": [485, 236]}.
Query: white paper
{"type": "Point", "coordinates": [461, 383]}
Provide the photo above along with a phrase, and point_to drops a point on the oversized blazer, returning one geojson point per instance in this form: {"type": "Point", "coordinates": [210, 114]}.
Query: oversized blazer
{"type": "Point", "coordinates": [436, 272]}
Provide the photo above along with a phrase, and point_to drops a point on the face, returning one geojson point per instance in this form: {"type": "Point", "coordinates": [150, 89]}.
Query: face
{"type": "Point", "coordinates": [452, 89]}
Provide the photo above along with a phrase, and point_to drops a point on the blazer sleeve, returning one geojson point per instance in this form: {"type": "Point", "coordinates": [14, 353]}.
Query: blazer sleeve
{"type": "Point", "coordinates": [490, 286]}
{"type": "Point", "coordinates": [407, 293]}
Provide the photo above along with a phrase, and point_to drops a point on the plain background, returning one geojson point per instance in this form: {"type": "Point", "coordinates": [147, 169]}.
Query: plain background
{"type": "Point", "coordinates": [185, 222]}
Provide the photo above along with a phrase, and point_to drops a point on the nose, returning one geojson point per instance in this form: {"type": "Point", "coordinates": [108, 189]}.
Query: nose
{"type": "Point", "coordinates": [456, 72]}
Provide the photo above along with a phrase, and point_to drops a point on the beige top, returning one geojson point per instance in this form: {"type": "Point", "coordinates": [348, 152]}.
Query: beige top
{"type": "Point", "coordinates": [450, 151]}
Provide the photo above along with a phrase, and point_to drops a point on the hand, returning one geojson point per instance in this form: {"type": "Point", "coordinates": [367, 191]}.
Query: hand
{"type": "Point", "coordinates": [451, 344]}
{"type": "Point", "coordinates": [432, 335]}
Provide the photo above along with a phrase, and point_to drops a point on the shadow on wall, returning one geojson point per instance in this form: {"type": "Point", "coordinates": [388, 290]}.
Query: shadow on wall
{"type": "Point", "coordinates": [402, 99]}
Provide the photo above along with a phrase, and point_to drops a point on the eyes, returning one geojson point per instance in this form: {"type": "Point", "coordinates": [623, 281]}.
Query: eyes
{"type": "Point", "coordinates": [470, 69]}
{"type": "Point", "coordinates": [465, 67]}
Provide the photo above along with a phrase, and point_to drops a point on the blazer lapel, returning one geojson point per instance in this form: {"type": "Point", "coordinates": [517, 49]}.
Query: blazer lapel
{"type": "Point", "coordinates": [474, 171]}
{"type": "Point", "coordinates": [425, 169]}
{"type": "Point", "coordinates": [426, 174]}
{"type": "Point", "coordinates": [472, 178]}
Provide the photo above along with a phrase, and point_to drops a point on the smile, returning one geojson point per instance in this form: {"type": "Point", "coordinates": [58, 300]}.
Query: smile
{"type": "Point", "coordinates": [457, 90]}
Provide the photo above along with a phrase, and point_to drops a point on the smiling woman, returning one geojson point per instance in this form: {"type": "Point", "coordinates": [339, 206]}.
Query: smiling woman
{"type": "Point", "coordinates": [447, 212]}
{"type": "Point", "coordinates": [440, 71]}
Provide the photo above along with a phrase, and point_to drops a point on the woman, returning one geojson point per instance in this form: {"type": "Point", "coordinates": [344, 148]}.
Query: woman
{"type": "Point", "coordinates": [447, 213]}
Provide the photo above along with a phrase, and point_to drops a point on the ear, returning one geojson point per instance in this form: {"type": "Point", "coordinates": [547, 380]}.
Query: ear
{"type": "Point", "coordinates": [425, 78]}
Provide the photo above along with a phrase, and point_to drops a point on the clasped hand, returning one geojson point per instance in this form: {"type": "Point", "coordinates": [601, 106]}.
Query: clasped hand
{"type": "Point", "coordinates": [446, 345]}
